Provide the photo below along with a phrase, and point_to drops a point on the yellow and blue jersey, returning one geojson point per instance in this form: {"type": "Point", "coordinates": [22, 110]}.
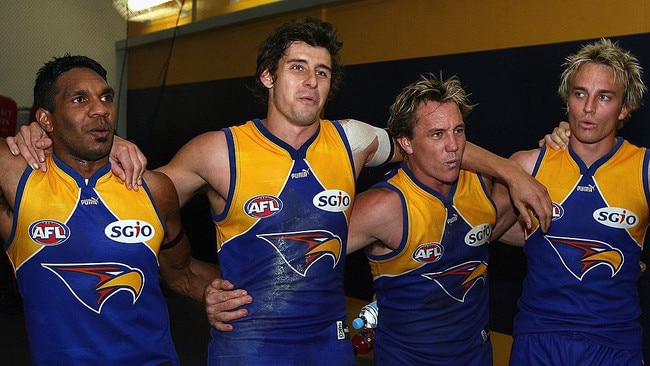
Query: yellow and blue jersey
{"type": "Point", "coordinates": [282, 237]}
{"type": "Point", "coordinates": [85, 254]}
{"type": "Point", "coordinates": [582, 274]}
{"type": "Point", "coordinates": [432, 290]}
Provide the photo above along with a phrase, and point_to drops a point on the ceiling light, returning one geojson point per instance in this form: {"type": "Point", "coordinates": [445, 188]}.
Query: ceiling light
{"type": "Point", "coordinates": [148, 10]}
{"type": "Point", "coordinates": [136, 5]}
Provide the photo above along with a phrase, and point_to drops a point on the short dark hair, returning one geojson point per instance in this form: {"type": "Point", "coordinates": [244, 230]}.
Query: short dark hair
{"type": "Point", "coordinates": [313, 32]}
{"type": "Point", "coordinates": [48, 74]}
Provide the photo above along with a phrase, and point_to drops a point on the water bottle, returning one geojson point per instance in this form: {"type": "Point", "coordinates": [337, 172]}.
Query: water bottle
{"type": "Point", "coordinates": [367, 317]}
{"type": "Point", "coordinates": [363, 342]}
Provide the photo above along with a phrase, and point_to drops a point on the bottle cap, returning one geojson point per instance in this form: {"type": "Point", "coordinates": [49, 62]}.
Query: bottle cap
{"type": "Point", "coordinates": [358, 323]}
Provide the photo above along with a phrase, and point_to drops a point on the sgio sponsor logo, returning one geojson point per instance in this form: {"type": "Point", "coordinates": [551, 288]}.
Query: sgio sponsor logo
{"type": "Point", "coordinates": [479, 235]}
{"type": "Point", "coordinates": [332, 200]}
{"type": "Point", "coordinates": [49, 232]}
{"type": "Point", "coordinates": [616, 217]}
{"type": "Point", "coordinates": [427, 253]}
{"type": "Point", "coordinates": [260, 207]}
{"type": "Point", "coordinates": [129, 231]}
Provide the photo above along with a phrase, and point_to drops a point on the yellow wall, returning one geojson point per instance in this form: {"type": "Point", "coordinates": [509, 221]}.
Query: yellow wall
{"type": "Point", "coordinates": [382, 30]}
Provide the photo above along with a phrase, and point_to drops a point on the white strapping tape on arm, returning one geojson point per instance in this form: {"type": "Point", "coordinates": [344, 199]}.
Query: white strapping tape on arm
{"type": "Point", "coordinates": [361, 135]}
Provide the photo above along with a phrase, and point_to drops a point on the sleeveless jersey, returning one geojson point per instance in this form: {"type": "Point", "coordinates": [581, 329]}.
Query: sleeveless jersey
{"type": "Point", "coordinates": [582, 275]}
{"type": "Point", "coordinates": [432, 291]}
{"type": "Point", "coordinates": [282, 237]}
{"type": "Point", "coordinates": [85, 257]}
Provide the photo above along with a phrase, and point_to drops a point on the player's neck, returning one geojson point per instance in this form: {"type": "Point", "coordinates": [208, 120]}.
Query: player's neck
{"type": "Point", "coordinates": [293, 134]}
{"type": "Point", "coordinates": [590, 152]}
{"type": "Point", "coordinates": [85, 168]}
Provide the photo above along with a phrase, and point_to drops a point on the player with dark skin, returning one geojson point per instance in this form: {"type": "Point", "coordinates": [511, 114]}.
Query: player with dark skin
{"type": "Point", "coordinates": [75, 109]}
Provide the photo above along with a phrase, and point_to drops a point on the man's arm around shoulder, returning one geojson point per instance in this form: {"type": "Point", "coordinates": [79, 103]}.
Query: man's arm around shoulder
{"type": "Point", "coordinates": [526, 192]}
{"type": "Point", "coordinates": [11, 170]}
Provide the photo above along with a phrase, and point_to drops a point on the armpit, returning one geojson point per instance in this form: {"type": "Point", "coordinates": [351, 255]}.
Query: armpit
{"type": "Point", "coordinates": [6, 217]}
{"type": "Point", "coordinates": [4, 205]}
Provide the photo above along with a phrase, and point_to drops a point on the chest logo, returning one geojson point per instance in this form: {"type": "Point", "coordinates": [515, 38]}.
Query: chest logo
{"type": "Point", "coordinates": [260, 207]}
{"type": "Point", "coordinates": [616, 217]}
{"type": "Point", "coordinates": [49, 232]}
{"type": "Point", "coordinates": [428, 253]}
{"type": "Point", "coordinates": [589, 188]}
{"type": "Point", "coordinates": [300, 250]}
{"type": "Point", "coordinates": [332, 200]}
{"type": "Point", "coordinates": [580, 256]}
{"type": "Point", "coordinates": [94, 283]}
{"type": "Point", "coordinates": [301, 174]}
{"type": "Point", "coordinates": [457, 281]}
{"type": "Point", "coordinates": [129, 231]}
{"type": "Point", "coordinates": [479, 235]}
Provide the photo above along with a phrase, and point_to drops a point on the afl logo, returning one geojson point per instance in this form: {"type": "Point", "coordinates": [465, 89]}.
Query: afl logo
{"type": "Point", "coordinates": [129, 231]}
{"type": "Point", "coordinates": [49, 232]}
{"type": "Point", "coordinates": [332, 200]}
{"type": "Point", "coordinates": [427, 253]}
{"type": "Point", "coordinates": [616, 217]}
{"type": "Point", "coordinates": [479, 235]}
{"type": "Point", "coordinates": [558, 212]}
{"type": "Point", "coordinates": [260, 207]}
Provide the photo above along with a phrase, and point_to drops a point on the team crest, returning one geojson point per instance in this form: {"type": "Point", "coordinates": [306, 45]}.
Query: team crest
{"type": "Point", "coordinates": [94, 283]}
{"type": "Point", "coordinates": [300, 250]}
{"type": "Point", "coordinates": [457, 281]}
{"type": "Point", "coordinates": [580, 256]}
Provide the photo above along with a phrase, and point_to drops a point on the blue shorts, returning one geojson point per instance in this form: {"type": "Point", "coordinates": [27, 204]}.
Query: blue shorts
{"type": "Point", "coordinates": [477, 356]}
{"type": "Point", "coordinates": [323, 348]}
{"type": "Point", "coordinates": [570, 349]}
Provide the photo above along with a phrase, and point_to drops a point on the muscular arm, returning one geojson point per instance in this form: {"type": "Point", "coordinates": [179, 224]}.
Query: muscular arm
{"type": "Point", "coordinates": [525, 191]}
{"type": "Point", "coordinates": [11, 169]}
{"type": "Point", "coordinates": [201, 163]}
{"type": "Point", "coordinates": [376, 217]}
{"type": "Point", "coordinates": [182, 273]}
{"type": "Point", "coordinates": [506, 217]}
{"type": "Point", "coordinates": [506, 229]}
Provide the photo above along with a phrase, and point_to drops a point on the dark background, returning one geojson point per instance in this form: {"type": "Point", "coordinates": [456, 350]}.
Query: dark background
{"type": "Point", "coordinates": [516, 92]}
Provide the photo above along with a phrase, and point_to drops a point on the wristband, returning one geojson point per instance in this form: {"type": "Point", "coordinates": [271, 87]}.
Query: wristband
{"type": "Point", "coordinates": [175, 241]}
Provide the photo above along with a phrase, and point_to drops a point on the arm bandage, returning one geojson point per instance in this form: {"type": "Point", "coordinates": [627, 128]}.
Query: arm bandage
{"type": "Point", "coordinates": [360, 135]}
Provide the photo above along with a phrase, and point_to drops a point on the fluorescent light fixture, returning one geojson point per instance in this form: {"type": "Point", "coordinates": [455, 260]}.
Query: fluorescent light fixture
{"type": "Point", "coordinates": [137, 5]}
{"type": "Point", "coordinates": [148, 10]}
